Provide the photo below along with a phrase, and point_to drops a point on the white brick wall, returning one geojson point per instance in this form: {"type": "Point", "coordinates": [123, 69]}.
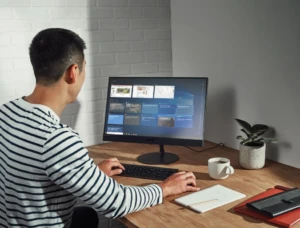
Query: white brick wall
{"type": "Point", "coordinates": [6, 14]}
{"type": "Point", "coordinates": [123, 37]}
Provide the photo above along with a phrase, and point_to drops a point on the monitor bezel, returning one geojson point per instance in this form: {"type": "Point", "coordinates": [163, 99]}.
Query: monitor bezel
{"type": "Point", "coordinates": [152, 139]}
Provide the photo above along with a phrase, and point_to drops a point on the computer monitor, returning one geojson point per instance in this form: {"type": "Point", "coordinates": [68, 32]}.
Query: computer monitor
{"type": "Point", "coordinates": [156, 110]}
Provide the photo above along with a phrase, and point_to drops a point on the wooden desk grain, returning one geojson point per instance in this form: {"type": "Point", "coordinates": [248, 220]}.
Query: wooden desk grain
{"type": "Point", "coordinates": [169, 214]}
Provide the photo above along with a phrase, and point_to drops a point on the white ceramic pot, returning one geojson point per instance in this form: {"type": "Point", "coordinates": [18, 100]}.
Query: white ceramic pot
{"type": "Point", "coordinates": [252, 157]}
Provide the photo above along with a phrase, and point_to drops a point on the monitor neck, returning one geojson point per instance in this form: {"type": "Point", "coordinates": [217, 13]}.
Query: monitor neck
{"type": "Point", "coordinates": [161, 150]}
{"type": "Point", "coordinates": [160, 157]}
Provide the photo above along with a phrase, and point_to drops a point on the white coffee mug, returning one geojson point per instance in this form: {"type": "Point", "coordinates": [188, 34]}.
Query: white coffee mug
{"type": "Point", "coordinates": [219, 168]}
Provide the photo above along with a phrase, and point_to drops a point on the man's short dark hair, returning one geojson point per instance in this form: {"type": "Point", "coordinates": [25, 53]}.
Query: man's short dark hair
{"type": "Point", "coordinates": [52, 51]}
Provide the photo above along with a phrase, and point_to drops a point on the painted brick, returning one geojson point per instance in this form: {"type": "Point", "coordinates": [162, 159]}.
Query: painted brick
{"type": "Point", "coordinates": [164, 45]}
{"type": "Point", "coordinates": [14, 2]}
{"type": "Point", "coordinates": [83, 24]}
{"type": "Point", "coordinates": [16, 76]}
{"type": "Point", "coordinates": [149, 45]}
{"type": "Point", "coordinates": [143, 23]}
{"type": "Point", "coordinates": [114, 46]}
{"type": "Point", "coordinates": [6, 14]}
{"type": "Point", "coordinates": [165, 67]}
{"type": "Point", "coordinates": [164, 3]}
{"type": "Point", "coordinates": [164, 23]}
{"type": "Point", "coordinates": [128, 12]}
{"type": "Point", "coordinates": [22, 64]}
{"type": "Point", "coordinates": [5, 78]}
{"type": "Point", "coordinates": [72, 108]}
{"type": "Point", "coordinates": [4, 39]}
{"type": "Point", "coordinates": [92, 83]}
{"type": "Point", "coordinates": [67, 119]}
{"type": "Point", "coordinates": [13, 51]}
{"type": "Point", "coordinates": [38, 25]}
{"type": "Point", "coordinates": [43, 3]}
{"type": "Point", "coordinates": [7, 91]}
{"type": "Point", "coordinates": [6, 99]}
{"type": "Point", "coordinates": [159, 74]}
{"type": "Point", "coordinates": [89, 129]}
{"type": "Point", "coordinates": [93, 106]}
{"type": "Point", "coordinates": [104, 93]}
{"type": "Point", "coordinates": [36, 13]}
{"type": "Point", "coordinates": [144, 68]}
{"type": "Point", "coordinates": [91, 48]}
{"type": "Point", "coordinates": [115, 70]}
{"type": "Point", "coordinates": [85, 130]}
{"type": "Point", "coordinates": [129, 34]}
{"type": "Point", "coordinates": [21, 37]}
{"type": "Point", "coordinates": [157, 34]}
{"type": "Point", "coordinates": [97, 12]}
{"type": "Point", "coordinates": [114, 23]}
{"type": "Point", "coordinates": [88, 118]}
{"type": "Point", "coordinates": [89, 95]}
{"type": "Point", "coordinates": [131, 57]}
{"type": "Point", "coordinates": [112, 2]}
{"type": "Point", "coordinates": [23, 90]}
{"type": "Point", "coordinates": [157, 12]}
{"type": "Point", "coordinates": [100, 59]}
{"type": "Point", "coordinates": [92, 72]}
{"type": "Point", "coordinates": [95, 36]}
{"type": "Point", "coordinates": [89, 141]}
{"type": "Point", "coordinates": [81, 3]}
{"type": "Point", "coordinates": [10, 25]}
{"type": "Point", "coordinates": [65, 13]}
{"type": "Point", "coordinates": [143, 2]}
{"type": "Point", "coordinates": [6, 64]}
{"type": "Point", "coordinates": [158, 56]}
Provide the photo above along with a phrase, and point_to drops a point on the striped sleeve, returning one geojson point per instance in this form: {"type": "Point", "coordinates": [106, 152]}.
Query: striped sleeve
{"type": "Point", "coordinates": [68, 165]}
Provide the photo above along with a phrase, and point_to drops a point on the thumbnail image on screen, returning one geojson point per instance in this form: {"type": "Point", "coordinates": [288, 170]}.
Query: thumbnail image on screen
{"type": "Point", "coordinates": [120, 91]}
{"type": "Point", "coordinates": [133, 108]}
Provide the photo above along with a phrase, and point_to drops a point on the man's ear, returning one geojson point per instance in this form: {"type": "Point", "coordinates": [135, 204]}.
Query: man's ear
{"type": "Point", "coordinates": [71, 74]}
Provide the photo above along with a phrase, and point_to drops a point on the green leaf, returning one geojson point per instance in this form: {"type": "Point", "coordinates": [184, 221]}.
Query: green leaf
{"type": "Point", "coordinates": [270, 140]}
{"type": "Point", "coordinates": [249, 140]}
{"type": "Point", "coordinates": [259, 133]}
{"type": "Point", "coordinates": [243, 130]}
{"type": "Point", "coordinates": [240, 137]}
{"type": "Point", "coordinates": [245, 125]}
{"type": "Point", "coordinates": [260, 128]}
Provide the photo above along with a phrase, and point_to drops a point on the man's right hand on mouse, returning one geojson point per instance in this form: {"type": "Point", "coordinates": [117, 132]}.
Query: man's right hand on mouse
{"type": "Point", "coordinates": [178, 183]}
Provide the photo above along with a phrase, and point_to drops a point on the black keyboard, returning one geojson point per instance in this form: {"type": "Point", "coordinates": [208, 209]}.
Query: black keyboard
{"type": "Point", "coordinates": [147, 172]}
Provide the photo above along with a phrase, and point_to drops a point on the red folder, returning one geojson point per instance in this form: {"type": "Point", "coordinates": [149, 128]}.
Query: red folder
{"type": "Point", "coordinates": [286, 220]}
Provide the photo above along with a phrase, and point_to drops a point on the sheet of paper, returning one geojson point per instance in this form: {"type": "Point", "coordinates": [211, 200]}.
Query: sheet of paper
{"type": "Point", "coordinates": [210, 198]}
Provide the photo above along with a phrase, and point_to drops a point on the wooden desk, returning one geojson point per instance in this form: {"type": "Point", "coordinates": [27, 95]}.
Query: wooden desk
{"type": "Point", "coordinates": [169, 214]}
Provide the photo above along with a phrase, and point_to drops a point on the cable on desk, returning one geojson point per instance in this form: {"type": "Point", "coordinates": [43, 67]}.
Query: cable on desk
{"type": "Point", "coordinates": [210, 148]}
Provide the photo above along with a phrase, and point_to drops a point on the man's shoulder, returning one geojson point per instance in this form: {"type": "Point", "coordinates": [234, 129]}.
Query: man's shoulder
{"type": "Point", "coordinates": [62, 138]}
{"type": "Point", "coordinates": [61, 131]}
{"type": "Point", "coordinates": [5, 104]}
{"type": "Point", "coordinates": [34, 119]}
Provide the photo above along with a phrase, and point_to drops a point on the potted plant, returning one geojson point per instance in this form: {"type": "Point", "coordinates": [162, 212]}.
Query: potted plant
{"type": "Point", "coordinates": [253, 146]}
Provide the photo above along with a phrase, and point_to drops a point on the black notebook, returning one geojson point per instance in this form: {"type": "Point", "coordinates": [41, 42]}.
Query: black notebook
{"type": "Point", "coordinates": [278, 204]}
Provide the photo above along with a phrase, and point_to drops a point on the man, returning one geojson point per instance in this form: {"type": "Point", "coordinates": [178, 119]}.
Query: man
{"type": "Point", "coordinates": [44, 165]}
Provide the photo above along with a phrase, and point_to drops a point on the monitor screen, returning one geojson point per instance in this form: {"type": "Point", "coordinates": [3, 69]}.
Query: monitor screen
{"type": "Point", "coordinates": [165, 111]}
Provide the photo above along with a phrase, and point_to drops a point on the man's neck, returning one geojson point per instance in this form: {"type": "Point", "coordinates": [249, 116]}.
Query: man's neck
{"type": "Point", "coordinates": [52, 97]}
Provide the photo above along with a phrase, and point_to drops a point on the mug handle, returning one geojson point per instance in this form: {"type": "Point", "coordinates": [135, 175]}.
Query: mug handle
{"type": "Point", "coordinates": [229, 170]}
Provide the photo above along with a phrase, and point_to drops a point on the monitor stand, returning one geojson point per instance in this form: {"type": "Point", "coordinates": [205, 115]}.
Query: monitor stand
{"type": "Point", "coordinates": [161, 157]}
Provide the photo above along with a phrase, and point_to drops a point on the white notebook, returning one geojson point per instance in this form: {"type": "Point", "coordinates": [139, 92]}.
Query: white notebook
{"type": "Point", "coordinates": [209, 198]}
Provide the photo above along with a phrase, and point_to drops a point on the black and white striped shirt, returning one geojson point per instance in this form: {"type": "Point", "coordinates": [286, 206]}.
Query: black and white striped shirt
{"type": "Point", "coordinates": [44, 167]}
